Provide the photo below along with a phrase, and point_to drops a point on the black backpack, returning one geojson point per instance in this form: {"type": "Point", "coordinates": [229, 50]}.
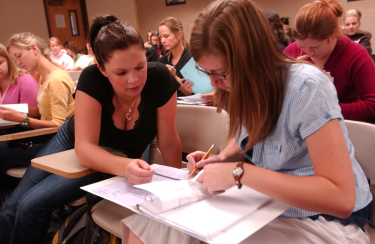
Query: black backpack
{"type": "Point", "coordinates": [79, 228]}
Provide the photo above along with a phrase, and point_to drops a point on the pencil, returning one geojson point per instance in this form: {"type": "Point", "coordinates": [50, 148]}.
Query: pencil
{"type": "Point", "coordinates": [204, 157]}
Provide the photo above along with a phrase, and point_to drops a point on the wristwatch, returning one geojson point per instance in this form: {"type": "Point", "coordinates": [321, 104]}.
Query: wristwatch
{"type": "Point", "coordinates": [25, 123]}
{"type": "Point", "coordinates": [237, 173]}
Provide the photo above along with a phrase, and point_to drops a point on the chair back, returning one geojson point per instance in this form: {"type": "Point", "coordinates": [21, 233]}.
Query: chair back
{"type": "Point", "coordinates": [75, 74]}
{"type": "Point", "coordinates": [362, 136]}
{"type": "Point", "coordinates": [198, 128]}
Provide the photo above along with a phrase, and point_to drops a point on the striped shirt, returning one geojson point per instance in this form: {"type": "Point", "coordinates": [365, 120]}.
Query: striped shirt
{"type": "Point", "coordinates": [310, 102]}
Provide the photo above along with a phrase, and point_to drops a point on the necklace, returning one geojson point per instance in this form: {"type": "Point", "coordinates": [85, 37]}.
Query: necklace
{"type": "Point", "coordinates": [124, 107]}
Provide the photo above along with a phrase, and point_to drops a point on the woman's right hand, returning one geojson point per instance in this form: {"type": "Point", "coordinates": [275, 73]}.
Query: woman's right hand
{"type": "Point", "coordinates": [194, 160]}
{"type": "Point", "coordinates": [139, 172]}
{"type": "Point", "coordinates": [172, 70]}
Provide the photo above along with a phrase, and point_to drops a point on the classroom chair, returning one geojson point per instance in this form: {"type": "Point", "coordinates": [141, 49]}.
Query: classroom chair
{"type": "Point", "coordinates": [198, 127]}
{"type": "Point", "coordinates": [362, 136]}
{"type": "Point", "coordinates": [20, 171]}
{"type": "Point", "coordinates": [75, 75]}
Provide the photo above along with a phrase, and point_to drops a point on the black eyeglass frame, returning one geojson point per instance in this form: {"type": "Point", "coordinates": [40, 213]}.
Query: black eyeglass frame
{"type": "Point", "coordinates": [222, 76]}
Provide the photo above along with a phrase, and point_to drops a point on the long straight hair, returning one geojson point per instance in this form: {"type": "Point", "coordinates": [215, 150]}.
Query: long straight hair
{"type": "Point", "coordinates": [13, 71]}
{"type": "Point", "coordinates": [25, 40]}
{"type": "Point", "coordinates": [238, 31]}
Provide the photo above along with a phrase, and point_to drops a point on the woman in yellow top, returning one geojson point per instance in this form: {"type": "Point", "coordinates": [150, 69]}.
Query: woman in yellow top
{"type": "Point", "coordinates": [55, 101]}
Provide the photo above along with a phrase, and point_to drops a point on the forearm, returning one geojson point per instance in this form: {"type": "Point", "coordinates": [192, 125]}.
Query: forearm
{"type": "Point", "coordinates": [97, 158]}
{"type": "Point", "coordinates": [33, 112]}
{"type": "Point", "coordinates": [232, 152]}
{"type": "Point", "coordinates": [359, 111]}
{"type": "Point", "coordinates": [312, 193]}
{"type": "Point", "coordinates": [171, 151]}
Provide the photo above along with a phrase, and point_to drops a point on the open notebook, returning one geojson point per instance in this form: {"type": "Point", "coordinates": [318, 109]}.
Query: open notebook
{"type": "Point", "coordinates": [184, 204]}
{"type": "Point", "coordinates": [22, 108]}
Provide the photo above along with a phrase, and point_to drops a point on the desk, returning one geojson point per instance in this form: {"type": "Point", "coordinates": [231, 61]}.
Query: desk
{"type": "Point", "coordinates": [29, 133]}
{"type": "Point", "coordinates": [66, 163]}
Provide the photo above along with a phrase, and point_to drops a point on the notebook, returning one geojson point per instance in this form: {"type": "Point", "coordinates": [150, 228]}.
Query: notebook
{"type": "Point", "coordinates": [22, 108]}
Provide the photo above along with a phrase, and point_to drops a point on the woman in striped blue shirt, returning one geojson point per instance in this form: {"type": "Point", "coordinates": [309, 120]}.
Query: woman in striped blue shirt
{"type": "Point", "coordinates": [285, 118]}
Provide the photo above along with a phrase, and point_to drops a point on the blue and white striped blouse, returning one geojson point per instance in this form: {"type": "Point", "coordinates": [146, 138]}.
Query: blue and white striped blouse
{"type": "Point", "coordinates": [310, 102]}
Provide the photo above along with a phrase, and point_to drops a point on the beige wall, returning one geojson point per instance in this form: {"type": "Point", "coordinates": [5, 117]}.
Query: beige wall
{"type": "Point", "coordinates": [14, 19]}
{"type": "Point", "coordinates": [150, 13]}
{"type": "Point", "coordinates": [124, 10]}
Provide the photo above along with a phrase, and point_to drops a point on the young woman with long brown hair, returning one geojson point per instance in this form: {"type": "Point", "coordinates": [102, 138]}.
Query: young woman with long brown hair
{"type": "Point", "coordinates": [318, 41]}
{"type": "Point", "coordinates": [285, 118]}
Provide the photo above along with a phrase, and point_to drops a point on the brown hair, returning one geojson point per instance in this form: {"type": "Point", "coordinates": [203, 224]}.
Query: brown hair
{"type": "Point", "coordinates": [176, 27]}
{"type": "Point", "coordinates": [108, 34]}
{"type": "Point", "coordinates": [26, 39]}
{"type": "Point", "coordinates": [239, 31]}
{"type": "Point", "coordinates": [277, 26]}
{"type": "Point", "coordinates": [318, 20]}
{"type": "Point", "coordinates": [13, 71]}
{"type": "Point", "coordinates": [72, 46]}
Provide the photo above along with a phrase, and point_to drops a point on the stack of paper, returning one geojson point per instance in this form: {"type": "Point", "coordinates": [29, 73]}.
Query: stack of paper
{"type": "Point", "coordinates": [22, 108]}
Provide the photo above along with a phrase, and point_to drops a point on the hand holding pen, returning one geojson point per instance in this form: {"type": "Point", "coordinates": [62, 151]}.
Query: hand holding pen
{"type": "Point", "coordinates": [203, 158]}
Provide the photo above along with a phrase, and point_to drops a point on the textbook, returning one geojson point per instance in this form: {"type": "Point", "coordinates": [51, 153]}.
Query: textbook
{"type": "Point", "coordinates": [183, 204]}
{"type": "Point", "coordinates": [22, 108]}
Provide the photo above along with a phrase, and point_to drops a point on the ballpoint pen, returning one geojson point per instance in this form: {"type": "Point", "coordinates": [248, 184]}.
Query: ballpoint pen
{"type": "Point", "coordinates": [204, 157]}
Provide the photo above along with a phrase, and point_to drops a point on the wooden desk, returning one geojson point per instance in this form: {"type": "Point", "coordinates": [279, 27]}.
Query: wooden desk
{"type": "Point", "coordinates": [66, 163]}
{"type": "Point", "coordinates": [29, 133]}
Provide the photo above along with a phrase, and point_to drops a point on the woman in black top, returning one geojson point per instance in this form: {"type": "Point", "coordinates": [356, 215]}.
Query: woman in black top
{"type": "Point", "coordinates": [172, 38]}
{"type": "Point", "coordinates": [122, 103]}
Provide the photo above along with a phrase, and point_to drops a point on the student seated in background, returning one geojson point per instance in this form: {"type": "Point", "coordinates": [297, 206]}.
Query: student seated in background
{"type": "Point", "coordinates": [277, 28]}
{"type": "Point", "coordinates": [122, 103]}
{"type": "Point", "coordinates": [59, 55]}
{"type": "Point", "coordinates": [55, 101]}
{"type": "Point", "coordinates": [16, 86]}
{"type": "Point", "coordinates": [155, 40]}
{"type": "Point", "coordinates": [84, 60]}
{"type": "Point", "coordinates": [72, 50]}
{"type": "Point", "coordinates": [172, 38]}
{"type": "Point", "coordinates": [352, 22]}
{"type": "Point", "coordinates": [285, 118]}
{"type": "Point", "coordinates": [319, 41]}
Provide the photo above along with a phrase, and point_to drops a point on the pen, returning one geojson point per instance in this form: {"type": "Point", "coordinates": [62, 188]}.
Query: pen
{"type": "Point", "coordinates": [204, 157]}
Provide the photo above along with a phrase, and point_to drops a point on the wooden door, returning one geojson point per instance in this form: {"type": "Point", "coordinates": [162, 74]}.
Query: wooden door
{"type": "Point", "coordinates": [67, 20]}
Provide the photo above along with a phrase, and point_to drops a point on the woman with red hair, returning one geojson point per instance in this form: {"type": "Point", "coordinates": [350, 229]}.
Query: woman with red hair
{"type": "Point", "coordinates": [352, 69]}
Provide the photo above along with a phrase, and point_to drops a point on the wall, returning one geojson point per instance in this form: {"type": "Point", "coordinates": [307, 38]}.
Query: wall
{"type": "Point", "coordinates": [150, 13]}
{"type": "Point", "coordinates": [14, 19]}
{"type": "Point", "coordinates": [124, 10]}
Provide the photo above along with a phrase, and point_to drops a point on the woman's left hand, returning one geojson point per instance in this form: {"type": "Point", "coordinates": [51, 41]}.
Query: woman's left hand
{"type": "Point", "coordinates": [188, 85]}
{"type": "Point", "coordinates": [11, 114]}
{"type": "Point", "coordinates": [218, 177]}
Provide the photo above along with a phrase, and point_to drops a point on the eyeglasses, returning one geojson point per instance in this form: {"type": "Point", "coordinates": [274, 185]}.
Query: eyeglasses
{"type": "Point", "coordinates": [216, 76]}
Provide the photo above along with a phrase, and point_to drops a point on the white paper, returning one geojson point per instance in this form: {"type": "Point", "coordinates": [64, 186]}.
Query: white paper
{"type": "Point", "coordinates": [60, 21]}
{"type": "Point", "coordinates": [173, 194]}
{"type": "Point", "coordinates": [173, 173]}
{"type": "Point", "coordinates": [212, 215]}
{"type": "Point", "coordinates": [22, 108]}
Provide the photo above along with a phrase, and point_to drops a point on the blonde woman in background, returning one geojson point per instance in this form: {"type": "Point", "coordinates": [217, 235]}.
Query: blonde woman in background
{"type": "Point", "coordinates": [16, 86]}
{"type": "Point", "coordinates": [55, 101]}
{"type": "Point", "coordinates": [178, 54]}
{"type": "Point", "coordinates": [352, 22]}
{"type": "Point", "coordinates": [59, 55]}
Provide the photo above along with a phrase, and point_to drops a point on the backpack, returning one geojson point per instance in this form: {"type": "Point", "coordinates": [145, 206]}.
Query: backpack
{"type": "Point", "coordinates": [79, 228]}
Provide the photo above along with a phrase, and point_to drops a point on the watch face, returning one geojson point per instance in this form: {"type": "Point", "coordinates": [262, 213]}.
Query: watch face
{"type": "Point", "coordinates": [238, 171]}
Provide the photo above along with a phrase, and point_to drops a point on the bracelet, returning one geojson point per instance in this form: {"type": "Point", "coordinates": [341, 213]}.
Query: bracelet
{"type": "Point", "coordinates": [25, 123]}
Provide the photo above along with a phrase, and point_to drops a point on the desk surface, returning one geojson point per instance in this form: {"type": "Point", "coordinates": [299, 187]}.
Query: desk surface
{"type": "Point", "coordinates": [64, 164]}
{"type": "Point", "coordinates": [29, 133]}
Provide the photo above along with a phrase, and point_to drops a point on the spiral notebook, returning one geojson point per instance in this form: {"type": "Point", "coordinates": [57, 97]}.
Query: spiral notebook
{"type": "Point", "coordinates": [184, 204]}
